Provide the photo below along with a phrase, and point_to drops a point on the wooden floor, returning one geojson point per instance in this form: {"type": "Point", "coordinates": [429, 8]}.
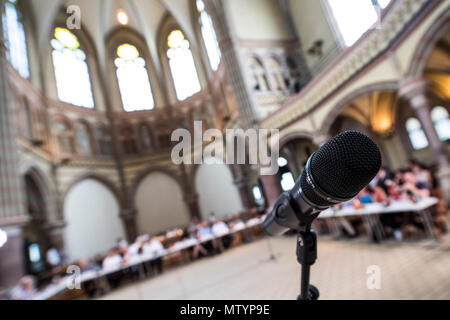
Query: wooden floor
{"type": "Point", "coordinates": [409, 270]}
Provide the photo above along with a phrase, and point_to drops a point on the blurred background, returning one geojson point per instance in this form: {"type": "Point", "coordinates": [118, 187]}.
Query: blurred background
{"type": "Point", "coordinates": [92, 205]}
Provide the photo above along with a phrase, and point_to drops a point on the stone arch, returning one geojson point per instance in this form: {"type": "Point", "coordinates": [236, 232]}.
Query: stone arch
{"type": "Point", "coordinates": [92, 210]}
{"type": "Point", "coordinates": [44, 189]}
{"type": "Point", "coordinates": [94, 176]}
{"type": "Point", "coordinates": [160, 200]}
{"type": "Point", "coordinates": [340, 106]}
{"type": "Point", "coordinates": [427, 44]}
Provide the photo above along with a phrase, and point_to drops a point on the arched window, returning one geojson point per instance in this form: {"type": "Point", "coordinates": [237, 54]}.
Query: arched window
{"type": "Point", "coordinates": [15, 39]}
{"type": "Point", "coordinates": [209, 36]}
{"type": "Point", "coordinates": [257, 195]}
{"type": "Point", "coordinates": [352, 18]}
{"type": "Point", "coordinates": [287, 178]}
{"type": "Point", "coordinates": [416, 134]}
{"type": "Point", "coordinates": [71, 70]}
{"type": "Point", "coordinates": [83, 139]}
{"type": "Point", "coordinates": [128, 139]}
{"type": "Point", "coordinates": [441, 121]}
{"type": "Point", "coordinates": [132, 76]}
{"type": "Point", "coordinates": [182, 66]}
{"type": "Point", "coordinates": [259, 75]}
{"type": "Point", "coordinates": [276, 73]}
{"type": "Point", "coordinates": [64, 137]}
{"type": "Point", "coordinates": [146, 137]}
{"type": "Point", "coordinates": [103, 141]}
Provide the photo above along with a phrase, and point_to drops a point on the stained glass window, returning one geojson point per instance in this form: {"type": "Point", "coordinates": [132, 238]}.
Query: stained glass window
{"type": "Point", "coordinates": [83, 139]}
{"type": "Point", "coordinates": [146, 137]}
{"type": "Point", "coordinates": [103, 141]}
{"type": "Point", "coordinates": [132, 76]}
{"type": "Point", "coordinates": [71, 70]}
{"type": "Point", "coordinates": [64, 136]}
{"type": "Point", "coordinates": [441, 121]}
{"type": "Point", "coordinates": [416, 134]}
{"type": "Point", "coordinates": [182, 65]}
{"type": "Point", "coordinates": [209, 36]}
{"type": "Point", "coordinates": [15, 39]}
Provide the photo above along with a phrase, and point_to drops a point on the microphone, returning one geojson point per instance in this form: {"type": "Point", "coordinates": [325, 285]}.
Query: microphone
{"type": "Point", "coordinates": [335, 173]}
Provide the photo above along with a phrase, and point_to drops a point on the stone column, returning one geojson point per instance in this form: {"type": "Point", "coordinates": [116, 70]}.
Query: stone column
{"type": "Point", "coordinates": [414, 91]}
{"type": "Point", "coordinates": [272, 189]}
{"type": "Point", "coordinates": [231, 58]}
{"type": "Point", "coordinates": [305, 73]}
{"type": "Point", "coordinates": [128, 217]}
{"type": "Point", "coordinates": [194, 209]}
{"type": "Point", "coordinates": [244, 192]}
{"type": "Point", "coordinates": [11, 257]}
{"type": "Point", "coordinates": [55, 233]}
{"type": "Point", "coordinates": [12, 204]}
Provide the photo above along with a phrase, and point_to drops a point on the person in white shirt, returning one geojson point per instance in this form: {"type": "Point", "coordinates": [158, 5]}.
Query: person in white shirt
{"type": "Point", "coordinates": [153, 248]}
{"type": "Point", "coordinates": [112, 262]}
{"type": "Point", "coordinates": [220, 230]}
{"type": "Point", "coordinates": [25, 290]}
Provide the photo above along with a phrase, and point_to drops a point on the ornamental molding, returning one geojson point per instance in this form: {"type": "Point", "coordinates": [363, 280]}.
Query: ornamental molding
{"type": "Point", "coordinates": [349, 63]}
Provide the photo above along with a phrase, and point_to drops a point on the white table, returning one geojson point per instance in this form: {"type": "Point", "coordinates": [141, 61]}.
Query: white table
{"type": "Point", "coordinates": [371, 212]}
{"type": "Point", "coordinates": [56, 288]}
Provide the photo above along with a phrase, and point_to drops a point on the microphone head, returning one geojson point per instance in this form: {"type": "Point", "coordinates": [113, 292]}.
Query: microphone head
{"type": "Point", "coordinates": [341, 168]}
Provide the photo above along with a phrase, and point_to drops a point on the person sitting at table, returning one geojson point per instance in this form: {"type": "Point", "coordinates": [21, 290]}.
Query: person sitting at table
{"type": "Point", "coordinates": [86, 266]}
{"type": "Point", "coordinates": [24, 290]}
{"type": "Point", "coordinates": [411, 188]}
{"type": "Point", "coordinates": [201, 250]}
{"type": "Point", "coordinates": [204, 232]}
{"type": "Point", "coordinates": [221, 231]}
{"type": "Point", "coordinates": [154, 248]}
{"type": "Point", "coordinates": [113, 261]}
{"type": "Point", "coordinates": [423, 175]}
{"type": "Point", "coordinates": [131, 257]}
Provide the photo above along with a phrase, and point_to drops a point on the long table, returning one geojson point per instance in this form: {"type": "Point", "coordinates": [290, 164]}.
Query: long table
{"type": "Point", "coordinates": [63, 284]}
{"type": "Point", "coordinates": [371, 212]}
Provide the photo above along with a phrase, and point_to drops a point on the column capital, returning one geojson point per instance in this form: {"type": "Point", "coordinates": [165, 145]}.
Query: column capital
{"type": "Point", "coordinates": [413, 90]}
{"type": "Point", "coordinates": [321, 138]}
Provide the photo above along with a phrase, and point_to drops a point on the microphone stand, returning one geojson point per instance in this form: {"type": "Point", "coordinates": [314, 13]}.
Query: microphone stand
{"type": "Point", "coordinates": [306, 256]}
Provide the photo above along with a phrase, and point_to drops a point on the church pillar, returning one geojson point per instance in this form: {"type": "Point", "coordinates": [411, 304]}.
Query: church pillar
{"type": "Point", "coordinates": [305, 74]}
{"type": "Point", "coordinates": [244, 193]}
{"type": "Point", "coordinates": [414, 91]}
{"type": "Point", "coordinates": [128, 217]}
{"type": "Point", "coordinates": [55, 233]}
{"type": "Point", "coordinates": [231, 58]}
{"type": "Point", "coordinates": [272, 189]}
{"type": "Point", "coordinates": [12, 208]}
{"type": "Point", "coordinates": [11, 257]}
{"type": "Point", "coordinates": [194, 208]}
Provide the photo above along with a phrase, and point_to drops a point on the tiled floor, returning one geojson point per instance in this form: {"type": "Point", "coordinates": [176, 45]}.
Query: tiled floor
{"type": "Point", "coordinates": [408, 270]}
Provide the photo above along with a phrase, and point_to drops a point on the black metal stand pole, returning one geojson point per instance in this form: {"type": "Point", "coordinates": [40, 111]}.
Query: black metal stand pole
{"type": "Point", "coordinates": [306, 256]}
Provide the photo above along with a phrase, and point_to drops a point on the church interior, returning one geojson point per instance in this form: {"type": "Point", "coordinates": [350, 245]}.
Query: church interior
{"type": "Point", "coordinates": [92, 91]}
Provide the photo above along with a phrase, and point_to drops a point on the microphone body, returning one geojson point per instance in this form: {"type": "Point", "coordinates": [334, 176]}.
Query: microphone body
{"type": "Point", "coordinates": [335, 173]}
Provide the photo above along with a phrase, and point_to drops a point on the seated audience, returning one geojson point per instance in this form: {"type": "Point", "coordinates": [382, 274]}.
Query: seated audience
{"type": "Point", "coordinates": [25, 290]}
{"type": "Point", "coordinates": [153, 248]}
{"type": "Point", "coordinates": [113, 261]}
{"type": "Point", "coordinates": [87, 266]}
